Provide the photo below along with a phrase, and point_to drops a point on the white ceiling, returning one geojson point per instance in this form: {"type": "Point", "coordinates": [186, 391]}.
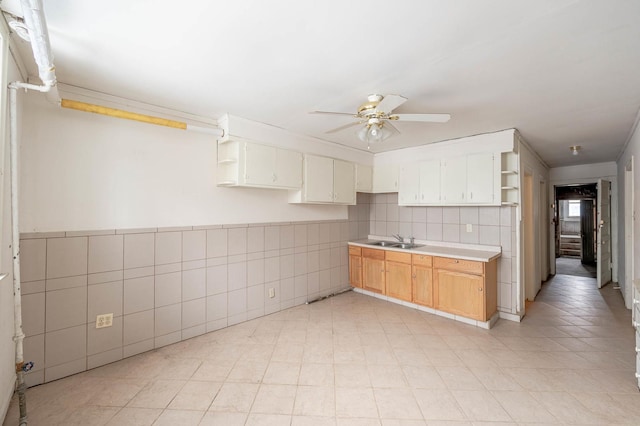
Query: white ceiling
{"type": "Point", "coordinates": [563, 72]}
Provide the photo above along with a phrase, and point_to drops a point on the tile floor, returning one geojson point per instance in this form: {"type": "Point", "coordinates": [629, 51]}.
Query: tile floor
{"type": "Point", "coordinates": [357, 360]}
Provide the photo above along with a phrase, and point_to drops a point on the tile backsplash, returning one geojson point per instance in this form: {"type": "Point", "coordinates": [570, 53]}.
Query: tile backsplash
{"type": "Point", "coordinates": [165, 285]}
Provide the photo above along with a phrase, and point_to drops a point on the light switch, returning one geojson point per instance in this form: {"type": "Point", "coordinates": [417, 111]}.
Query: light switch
{"type": "Point", "coordinates": [469, 227]}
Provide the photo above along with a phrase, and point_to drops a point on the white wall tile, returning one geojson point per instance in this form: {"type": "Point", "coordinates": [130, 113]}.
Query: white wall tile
{"type": "Point", "coordinates": [194, 284]}
{"type": "Point", "coordinates": [237, 302]}
{"type": "Point", "coordinates": [216, 307]}
{"type": "Point", "coordinates": [65, 345]}
{"type": "Point", "coordinates": [287, 289]}
{"type": "Point", "coordinates": [287, 268]}
{"type": "Point", "coordinates": [168, 319]}
{"type": "Point", "coordinates": [419, 230]}
{"type": "Point", "coordinates": [489, 216]}
{"type": "Point", "coordinates": [194, 313]}
{"type": "Point", "coordinates": [106, 253]}
{"type": "Point", "coordinates": [255, 239]}
{"type": "Point", "coordinates": [104, 339]}
{"type": "Point", "coordinates": [489, 235]}
{"type": "Point", "coordinates": [66, 257]}
{"type": "Point", "coordinates": [33, 259]}
{"type": "Point", "coordinates": [255, 272]}
{"type": "Point", "coordinates": [300, 235]}
{"type": "Point", "coordinates": [255, 297]}
{"type": "Point", "coordinates": [469, 237]}
{"type": "Point", "coordinates": [237, 276]}
{"type": "Point", "coordinates": [33, 314]}
{"type": "Point", "coordinates": [237, 241]}
{"type": "Point", "coordinates": [104, 299]}
{"type": "Point", "coordinates": [434, 231]}
{"type": "Point", "coordinates": [194, 245]}
{"type": "Point", "coordinates": [434, 215]}
{"type": "Point", "coordinates": [168, 247]}
{"type": "Point", "coordinates": [217, 242]}
{"type": "Point", "coordinates": [66, 308]}
{"type": "Point", "coordinates": [451, 215]}
{"type": "Point", "coordinates": [168, 289]}
{"type": "Point", "coordinates": [469, 215]}
{"type": "Point", "coordinates": [216, 279]}
{"type": "Point", "coordinates": [419, 214]}
{"type": "Point", "coordinates": [139, 250]}
{"type": "Point", "coordinates": [139, 294]}
{"type": "Point", "coordinates": [287, 236]}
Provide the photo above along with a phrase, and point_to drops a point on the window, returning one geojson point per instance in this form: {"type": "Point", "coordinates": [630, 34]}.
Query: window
{"type": "Point", "coordinates": [574, 208]}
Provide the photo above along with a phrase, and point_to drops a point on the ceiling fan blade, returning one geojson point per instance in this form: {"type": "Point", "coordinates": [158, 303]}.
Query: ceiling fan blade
{"type": "Point", "coordinates": [346, 126]}
{"type": "Point", "coordinates": [333, 113]}
{"type": "Point", "coordinates": [390, 102]}
{"type": "Point", "coordinates": [429, 118]}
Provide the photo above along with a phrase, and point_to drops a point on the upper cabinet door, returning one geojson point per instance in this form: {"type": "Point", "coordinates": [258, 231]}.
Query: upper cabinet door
{"type": "Point", "coordinates": [430, 180]}
{"type": "Point", "coordinates": [364, 178]}
{"type": "Point", "coordinates": [480, 178]}
{"type": "Point", "coordinates": [288, 169]}
{"type": "Point", "coordinates": [318, 179]}
{"type": "Point", "coordinates": [385, 179]}
{"type": "Point", "coordinates": [344, 182]}
{"type": "Point", "coordinates": [409, 185]}
{"type": "Point", "coordinates": [259, 165]}
{"type": "Point", "coordinates": [454, 180]}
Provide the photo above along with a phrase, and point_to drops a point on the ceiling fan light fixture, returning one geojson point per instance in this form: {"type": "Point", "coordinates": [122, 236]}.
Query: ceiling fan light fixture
{"type": "Point", "coordinates": [374, 132]}
{"type": "Point", "coordinates": [575, 149]}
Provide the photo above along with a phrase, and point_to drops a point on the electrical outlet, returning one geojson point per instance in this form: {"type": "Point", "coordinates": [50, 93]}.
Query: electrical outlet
{"type": "Point", "coordinates": [272, 293]}
{"type": "Point", "coordinates": [104, 320]}
{"type": "Point", "coordinates": [469, 227]}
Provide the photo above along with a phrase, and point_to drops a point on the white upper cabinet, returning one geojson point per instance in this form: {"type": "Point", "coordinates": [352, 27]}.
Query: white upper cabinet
{"type": "Point", "coordinates": [430, 181]}
{"type": "Point", "coordinates": [326, 180]}
{"type": "Point", "coordinates": [481, 172]}
{"type": "Point", "coordinates": [256, 165]}
{"type": "Point", "coordinates": [364, 178]}
{"type": "Point", "coordinates": [469, 179]}
{"type": "Point", "coordinates": [344, 180]}
{"type": "Point", "coordinates": [409, 184]}
{"type": "Point", "coordinates": [454, 180]}
{"type": "Point", "coordinates": [385, 178]}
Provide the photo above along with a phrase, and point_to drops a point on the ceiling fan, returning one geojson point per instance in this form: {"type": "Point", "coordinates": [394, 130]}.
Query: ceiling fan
{"type": "Point", "coordinates": [376, 115]}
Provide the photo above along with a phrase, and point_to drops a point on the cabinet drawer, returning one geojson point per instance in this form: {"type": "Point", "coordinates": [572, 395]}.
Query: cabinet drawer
{"type": "Point", "coordinates": [394, 256]}
{"type": "Point", "coordinates": [357, 251]}
{"type": "Point", "coordinates": [461, 265]}
{"type": "Point", "coordinates": [373, 253]}
{"type": "Point", "coordinates": [422, 259]}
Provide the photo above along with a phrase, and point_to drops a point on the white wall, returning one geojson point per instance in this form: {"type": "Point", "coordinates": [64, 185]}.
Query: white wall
{"type": "Point", "coordinates": [590, 173]}
{"type": "Point", "coordinates": [632, 149]}
{"type": "Point", "coordinates": [7, 347]}
{"type": "Point", "coordinates": [531, 164]}
{"type": "Point", "coordinates": [84, 171]}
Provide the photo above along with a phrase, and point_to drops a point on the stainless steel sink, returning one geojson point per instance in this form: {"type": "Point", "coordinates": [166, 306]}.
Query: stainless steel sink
{"type": "Point", "coordinates": [384, 244]}
{"type": "Point", "coordinates": [407, 245]}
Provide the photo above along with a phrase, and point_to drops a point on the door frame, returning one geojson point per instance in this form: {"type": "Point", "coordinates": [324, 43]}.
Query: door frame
{"type": "Point", "coordinates": [614, 218]}
{"type": "Point", "coordinates": [629, 237]}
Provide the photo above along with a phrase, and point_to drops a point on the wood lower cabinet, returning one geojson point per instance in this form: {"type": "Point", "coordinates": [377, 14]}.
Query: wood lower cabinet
{"type": "Point", "coordinates": [466, 288]}
{"type": "Point", "coordinates": [422, 276]}
{"type": "Point", "coordinates": [398, 275]}
{"type": "Point", "coordinates": [461, 287]}
{"type": "Point", "coordinates": [355, 266]}
{"type": "Point", "coordinates": [373, 270]}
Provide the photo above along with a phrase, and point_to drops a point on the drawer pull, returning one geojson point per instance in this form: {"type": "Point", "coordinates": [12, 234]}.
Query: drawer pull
{"type": "Point", "coordinates": [637, 350]}
{"type": "Point", "coordinates": [637, 375]}
{"type": "Point", "coordinates": [456, 261]}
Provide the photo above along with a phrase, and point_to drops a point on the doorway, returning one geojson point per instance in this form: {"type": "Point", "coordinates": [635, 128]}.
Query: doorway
{"type": "Point", "coordinates": [629, 224]}
{"type": "Point", "coordinates": [575, 230]}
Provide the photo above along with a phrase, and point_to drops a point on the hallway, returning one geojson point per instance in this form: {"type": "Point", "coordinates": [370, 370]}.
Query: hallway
{"type": "Point", "coordinates": [357, 360]}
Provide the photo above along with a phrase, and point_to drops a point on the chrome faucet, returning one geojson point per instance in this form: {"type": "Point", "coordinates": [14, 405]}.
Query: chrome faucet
{"type": "Point", "coordinates": [398, 237]}
{"type": "Point", "coordinates": [412, 240]}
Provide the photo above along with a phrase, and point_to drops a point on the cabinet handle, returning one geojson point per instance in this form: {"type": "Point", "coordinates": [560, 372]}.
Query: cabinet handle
{"type": "Point", "coordinates": [413, 276]}
{"type": "Point", "coordinates": [471, 195]}
{"type": "Point", "coordinates": [456, 261]}
{"type": "Point", "coordinates": [479, 288]}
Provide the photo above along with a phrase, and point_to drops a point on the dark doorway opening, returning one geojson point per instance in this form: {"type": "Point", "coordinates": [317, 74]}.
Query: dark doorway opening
{"type": "Point", "coordinates": [576, 230]}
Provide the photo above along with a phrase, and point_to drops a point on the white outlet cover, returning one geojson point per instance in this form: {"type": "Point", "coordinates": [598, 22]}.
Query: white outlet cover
{"type": "Point", "coordinates": [104, 320]}
{"type": "Point", "coordinates": [469, 227]}
{"type": "Point", "coordinates": [272, 293]}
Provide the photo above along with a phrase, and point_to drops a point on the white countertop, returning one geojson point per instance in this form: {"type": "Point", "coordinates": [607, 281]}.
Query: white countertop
{"type": "Point", "coordinates": [459, 251]}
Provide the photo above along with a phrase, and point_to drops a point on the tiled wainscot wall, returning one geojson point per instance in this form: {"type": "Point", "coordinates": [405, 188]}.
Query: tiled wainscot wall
{"type": "Point", "coordinates": [494, 226]}
{"type": "Point", "coordinates": [165, 285]}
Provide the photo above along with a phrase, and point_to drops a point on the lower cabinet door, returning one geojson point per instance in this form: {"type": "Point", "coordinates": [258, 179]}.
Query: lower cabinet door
{"type": "Point", "coordinates": [355, 270]}
{"type": "Point", "coordinates": [422, 286]}
{"type": "Point", "coordinates": [399, 280]}
{"type": "Point", "coordinates": [373, 274]}
{"type": "Point", "coordinates": [460, 294]}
